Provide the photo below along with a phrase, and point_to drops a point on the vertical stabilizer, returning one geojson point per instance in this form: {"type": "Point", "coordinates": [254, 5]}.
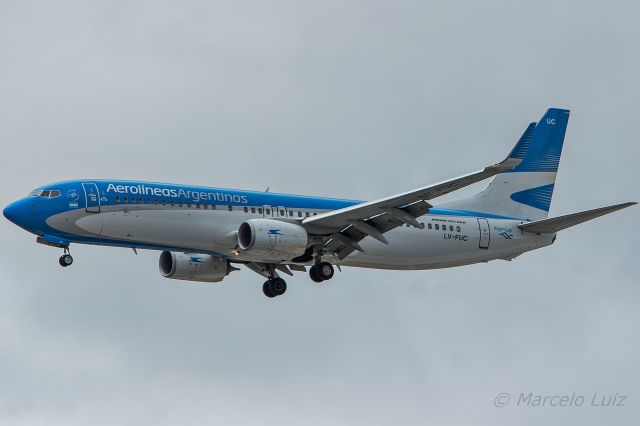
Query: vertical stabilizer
{"type": "Point", "coordinates": [525, 191]}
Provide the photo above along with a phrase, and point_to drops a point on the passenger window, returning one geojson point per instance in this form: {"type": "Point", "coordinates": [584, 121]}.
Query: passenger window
{"type": "Point", "coordinates": [164, 202]}
{"type": "Point", "coordinates": [267, 211]}
{"type": "Point", "coordinates": [457, 229]}
{"type": "Point", "coordinates": [253, 209]}
{"type": "Point", "coordinates": [230, 208]}
{"type": "Point", "coordinates": [437, 227]}
{"type": "Point", "coordinates": [246, 209]}
{"type": "Point", "coordinates": [299, 213]}
{"type": "Point", "coordinates": [139, 200]}
{"type": "Point", "coordinates": [306, 214]}
{"type": "Point", "coordinates": [315, 213]}
{"type": "Point", "coordinates": [155, 201]}
{"type": "Point", "coordinates": [126, 199]}
{"type": "Point", "coordinates": [189, 205]}
{"type": "Point", "coordinates": [259, 210]}
{"type": "Point", "coordinates": [148, 201]}
{"type": "Point", "coordinates": [429, 226]}
{"type": "Point", "coordinates": [290, 213]}
{"type": "Point", "coordinates": [173, 203]}
{"type": "Point", "coordinates": [451, 228]}
{"type": "Point", "coordinates": [281, 212]}
{"type": "Point", "coordinates": [213, 206]}
{"type": "Point", "coordinates": [117, 199]}
{"type": "Point", "coordinates": [206, 206]}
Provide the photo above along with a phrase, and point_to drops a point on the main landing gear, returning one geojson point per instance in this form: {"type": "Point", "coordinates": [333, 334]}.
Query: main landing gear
{"type": "Point", "coordinates": [65, 260]}
{"type": "Point", "coordinates": [274, 287]}
{"type": "Point", "coordinates": [321, 271]}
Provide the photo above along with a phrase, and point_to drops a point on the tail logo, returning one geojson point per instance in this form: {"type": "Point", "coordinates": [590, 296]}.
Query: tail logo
{"type": "Point", "coordinates": [551, 121]}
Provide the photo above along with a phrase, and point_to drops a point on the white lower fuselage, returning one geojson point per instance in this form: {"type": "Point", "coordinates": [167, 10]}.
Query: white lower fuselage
{"type": "Point", "coordinates": [458, 239]}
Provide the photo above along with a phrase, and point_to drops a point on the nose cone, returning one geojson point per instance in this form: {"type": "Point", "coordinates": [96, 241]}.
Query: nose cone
{"type": "Point", "coordinates": [14, 211]}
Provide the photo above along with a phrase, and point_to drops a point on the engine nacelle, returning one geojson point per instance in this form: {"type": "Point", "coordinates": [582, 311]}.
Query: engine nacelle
{"type": "Point", "coordinates": [268, 237]}
{"type": "Point", "coordinates": [193, 267]}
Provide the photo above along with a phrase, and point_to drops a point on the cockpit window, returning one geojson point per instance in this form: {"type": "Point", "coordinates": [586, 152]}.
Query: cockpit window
{"type": "Point", "coordinates": [48, 193]}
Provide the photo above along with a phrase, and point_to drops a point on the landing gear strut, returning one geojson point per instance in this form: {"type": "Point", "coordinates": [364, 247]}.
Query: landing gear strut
{"type": "Point", "coordinates": [66, 259]}
{"type": "Point", "coordinates": [321, 271]}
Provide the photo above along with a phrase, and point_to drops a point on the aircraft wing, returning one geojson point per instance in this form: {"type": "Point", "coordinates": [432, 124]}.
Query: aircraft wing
{"type": "Point", "coordinates": [390, 205]}
{"type": "Point", "coordinates": [398, 206]}
{"type": "Point", "coordinates": [347, 226]}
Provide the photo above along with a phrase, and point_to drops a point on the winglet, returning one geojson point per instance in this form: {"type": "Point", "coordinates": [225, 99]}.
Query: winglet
{"type": "Point", "coordinates": [521, 148]}
{"type": "Point", "coordinates": [518, 152]}
{"type": "Point", "coordinates": [559, 223]}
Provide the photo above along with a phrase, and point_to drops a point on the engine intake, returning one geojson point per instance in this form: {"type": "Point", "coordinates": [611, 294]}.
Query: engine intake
{"type": "Point", "coordinates": [193, 267]}
{"type": "Point", "coordinates": [268, 237]}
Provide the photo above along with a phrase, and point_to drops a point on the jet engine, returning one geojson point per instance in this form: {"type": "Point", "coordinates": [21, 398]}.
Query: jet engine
{"type": "Point", "coordinates": [272, 238]}
{"type": "Point", "coordinates": [194, 267]}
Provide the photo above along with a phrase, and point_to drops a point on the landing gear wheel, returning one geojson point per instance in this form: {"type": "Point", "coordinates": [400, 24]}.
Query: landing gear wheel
{"type": "Point", "coordinates": [325, 270]}
{"type": "Point", "coordinates": [65, 260]}
{"type": "Point", "coordinates": [274, 287]}
{"type": "Point", "coordinates": [266, 289]}
{"type": "Point", "coordinates": [314, 274]}
{"type": "Point", "coordinates": [278, 286]}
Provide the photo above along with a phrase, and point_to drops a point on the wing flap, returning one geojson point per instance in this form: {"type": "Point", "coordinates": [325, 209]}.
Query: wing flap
{"type": "Point", "coordinates": [382, 223]}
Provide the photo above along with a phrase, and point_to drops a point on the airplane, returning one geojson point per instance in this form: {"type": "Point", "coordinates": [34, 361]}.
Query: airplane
{"type": "Point", "coordinates": [204, 233]}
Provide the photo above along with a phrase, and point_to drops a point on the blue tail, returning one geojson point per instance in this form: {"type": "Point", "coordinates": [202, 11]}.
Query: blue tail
{"type": "Point", "coordinates": [525, 191]}
{"type": "Point", "coordinates": [544, 147]}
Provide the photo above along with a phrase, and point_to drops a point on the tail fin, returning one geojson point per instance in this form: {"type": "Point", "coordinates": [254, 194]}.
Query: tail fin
{"type": "Point", "coordinates": [525, 191]}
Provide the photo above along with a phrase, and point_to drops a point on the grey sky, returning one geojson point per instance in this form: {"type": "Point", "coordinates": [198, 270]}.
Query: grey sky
{"type": "Point", "coordinates": [356, 99]}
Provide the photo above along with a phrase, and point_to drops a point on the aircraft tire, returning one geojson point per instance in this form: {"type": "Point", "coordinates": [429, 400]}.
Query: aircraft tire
{"type": "Point", "coordinates": [314, 274]}
{"type": "Point", "coordinates": [325, 270]}
{"type": "Point", "coordinates": [266, 289]}
{"type": "Point", "coordinates": [65, 260]}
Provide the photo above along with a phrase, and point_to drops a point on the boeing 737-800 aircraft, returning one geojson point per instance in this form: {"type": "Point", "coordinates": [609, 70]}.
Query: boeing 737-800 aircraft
{"type": "Point", "coordinates": [204, 232]}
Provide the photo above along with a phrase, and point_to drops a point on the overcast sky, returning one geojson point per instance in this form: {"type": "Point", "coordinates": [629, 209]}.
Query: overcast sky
{"type": "Point", "coordinates": [355, 99]}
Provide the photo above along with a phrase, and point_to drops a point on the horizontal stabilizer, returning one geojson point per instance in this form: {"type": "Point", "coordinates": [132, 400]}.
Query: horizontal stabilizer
{"type": "Point", "coordinates": [559, 223]}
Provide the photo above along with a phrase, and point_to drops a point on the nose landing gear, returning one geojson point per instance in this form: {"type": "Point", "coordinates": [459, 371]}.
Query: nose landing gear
{"type": "Point", "coordinates": [66, 259]}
